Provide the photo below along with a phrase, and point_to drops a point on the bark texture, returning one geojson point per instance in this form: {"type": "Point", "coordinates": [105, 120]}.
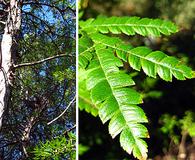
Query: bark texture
{"type": "Point", "coordinates": [8, 48]}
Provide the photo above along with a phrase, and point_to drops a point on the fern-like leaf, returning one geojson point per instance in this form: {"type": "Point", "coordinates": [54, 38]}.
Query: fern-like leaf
{"type": "Point", "coordinates": [105, 86]}
{"type": "Point", "coordinates": [152, 62]}
{"type": "Point", "coordinates": [130, 26]}
{"type": "Point", "coordinates": [110, 91]}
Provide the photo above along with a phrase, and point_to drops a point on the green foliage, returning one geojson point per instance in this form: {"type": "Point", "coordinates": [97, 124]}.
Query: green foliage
{"type": "Point", "coordinates": [172, 123]}
{"type": "Point", "coordinates": [130, 26]}
{"type": "Point", "coordinates": [85, 102]}
{"type": "Point", "coordinates": [57, 148]}
{"type": "Point", "coordinates": [169, 123]}
{"type": "Point", "coordinates": [83, 149]}
{"type": "Point", "coordinates": [107, 86]}
{"type": "Point", "coordinates": [61, 75]}
{"type": "Point", "coordinates": [188, 123]}
{"type": "Point", "coordinates": [152, 62]}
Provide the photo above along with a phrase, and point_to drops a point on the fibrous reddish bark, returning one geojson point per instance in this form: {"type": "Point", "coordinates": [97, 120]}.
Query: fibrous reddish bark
{"type": "Point", "coordinates": [8, 44]}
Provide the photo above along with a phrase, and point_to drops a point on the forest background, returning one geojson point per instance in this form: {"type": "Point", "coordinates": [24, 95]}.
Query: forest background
{"type": "Point", "coordinates": [167, 105]}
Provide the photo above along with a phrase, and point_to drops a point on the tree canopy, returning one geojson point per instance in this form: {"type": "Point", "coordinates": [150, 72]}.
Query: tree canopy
{"type": "Point", "coordinates": [41, 104]}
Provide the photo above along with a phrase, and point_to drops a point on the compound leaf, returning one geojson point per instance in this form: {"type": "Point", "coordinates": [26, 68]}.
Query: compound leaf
{"type": "Point", "coordinates": [152, 62]}
{"type": "Point", "coordinates": [130, 26]}
{"type": "Point", "coordinates": [116, 101]}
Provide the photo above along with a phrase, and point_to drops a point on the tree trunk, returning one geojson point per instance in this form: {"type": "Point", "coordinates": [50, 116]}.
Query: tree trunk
{"type": "Point", "coordinates": [182, 147]}
{"type": "Point", "coordinates": [8, 48]}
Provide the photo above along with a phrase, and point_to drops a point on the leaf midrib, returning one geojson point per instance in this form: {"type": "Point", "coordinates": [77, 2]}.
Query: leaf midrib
{"type": "Point", "coordinates": [112, 89]}
{"type": "Point", "coordinates": [141, 57]}
{"type": "Point", "coordinates": [119, 109]}
{"type": "Point", "coordinates": [88, 49]}
{"type": "Point", "coordinates": [128, 25]}
{"type": "Point", "coordinates": [88, 101]}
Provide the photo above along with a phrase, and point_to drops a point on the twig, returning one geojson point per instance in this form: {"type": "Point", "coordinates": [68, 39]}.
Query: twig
{"type": "Point", "coordinates": [73, 127]}
{"type": "Point", "coordinates": [40, 61]}
{"type": "Point", "coordinates": [62, 112]}
{"type": "Point", "coordinates": [2, 22]}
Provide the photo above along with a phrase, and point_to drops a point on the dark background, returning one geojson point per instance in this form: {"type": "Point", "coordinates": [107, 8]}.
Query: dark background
{"type": "Point", "coordinates": [176, 97]}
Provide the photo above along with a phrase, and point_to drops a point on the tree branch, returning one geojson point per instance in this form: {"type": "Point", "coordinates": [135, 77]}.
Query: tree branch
{"type": "Point", "coordinates": [73, 127]}
{"type": "Point", "coordinates": [71, 102]}
{"type": "Point", "coordinates": [40, 61]}
{"type": "Point", "coordinates": [50, 5]}
{"type": "Point", "coordinates": [2, 22]}
{"type": "Point", "coordinates": [41, 20]}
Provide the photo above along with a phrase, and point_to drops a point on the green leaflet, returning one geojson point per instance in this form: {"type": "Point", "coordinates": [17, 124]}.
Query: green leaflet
{"type": "Point", "coordinates": [129, 143]}
{"type": "Point", "coordinates": [117, 102]}
{"type": "Point", "coordinates": [114, 43]}
{"type": "Point", "coordinates": [158, 63]}
{"type": "Point", "coordinates": [85, 48]}
{"type": "Point", "coordinates": [85, 102]}
{"type": "Point", "coordinates": [130, 26]}
{"type": "Point", "coordinates": [152, 62]}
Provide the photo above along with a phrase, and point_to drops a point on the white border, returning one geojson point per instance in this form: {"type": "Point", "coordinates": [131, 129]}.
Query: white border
{"type": "Point", "coordinates": [77, 110]}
